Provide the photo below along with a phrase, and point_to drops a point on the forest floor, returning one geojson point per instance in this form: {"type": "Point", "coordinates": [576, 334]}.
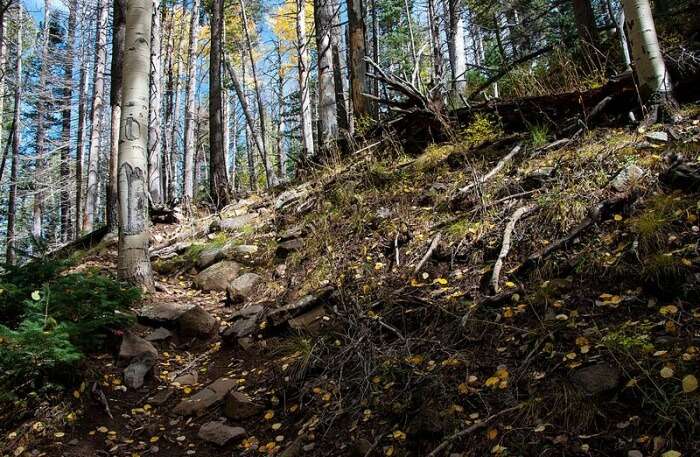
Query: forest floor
{"type": "Point", "coordinates": [374, 323]}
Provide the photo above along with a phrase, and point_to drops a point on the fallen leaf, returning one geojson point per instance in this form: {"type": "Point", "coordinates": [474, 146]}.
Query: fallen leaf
{"type": "Point", "coordinates": [690, 383]}
{"type": "Point", "coordinates": [666, 372]}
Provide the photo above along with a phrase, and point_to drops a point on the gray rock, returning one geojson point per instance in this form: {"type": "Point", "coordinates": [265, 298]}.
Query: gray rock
{"type": "Point", "coordinates": [137, 370]}
{"type": "Point", "coordinates": [161, 397]}
{"type": "Point", "coordinates": [657, 137]}
{"type": "Point", "coordinates": [297, 231]}
{"type": "Point", "coordinates": [537, 178]}
{"type": "Point", "coordinates": [133, 345]}
{"type": "Point", "coordinates": [280, 270]}
{"type": "Point", "coordinates": [634, 453]}
{"type": "Point", "coordinates": [626, 177]}
{"type": "Point", "coordinates": [238, 406]}
{"type": "Point", "coordinates": [242, 287]}
{"type": "Point", "coordinates": [220, 433]}
{"type": "Point", "coordinates": [281, 315]}
{"type": "Point", "coordinates": [294, 449]}
{"type": "Point", "coordinates": [197, 404]}
{"type": "Point", "coordinates": [217, 276]}
{"type": "Point", "coordinates": [186, 379]}
{"type": "Point", "coordinates": [287, 247]}
{"type": "Point", "coordinates": [240, 252]}
{"type": "Point", "coordinates": [597, 379]}
{"type": "Point", "coordinates": [311, 321]}
{"type": "Point", "coordinates": [197, 323]}
{"type": "Point", "coordinates": [163, 313]}
{"type": "Point", "coordinates": [209, 256]}
{"type": "Point", "coordinates": [242, 327]}
{"type": "Point", "coordinates": [234, 223]}
{"type": "Point", "coordinates": [159, 334]}
{"type": "Point", "coordinates": [288, 197]}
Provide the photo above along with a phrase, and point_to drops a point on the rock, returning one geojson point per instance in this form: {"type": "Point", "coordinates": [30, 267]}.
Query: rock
{"type": "Point", "coordinates": [360, 448]}
{"type": "Point", "coordinates": [161, 397]}
{"type": "Point", "coordinates": [233, 223]}
{"type": "Point", "coordinates": [198, 403]}
{"type": "Point", "coordinates": [627, 177]}
{"type": "Point", "coordinates": [657, 137]}
{"type": "Point", "coordinates": [280, 270]}
{"type": "Point", "coordinates": [634, 453]}
{"type": "Point", "coordinates": [239, 252]}
{"type": "Point", "coordinates": [294, 449]}
{"type": "Point", "coordinates": [159, 334]}
{"type": "Point", "coordinates": [209, 257]}
{"type": "Point", "coordinates": [597, 379]}
{"type": "Point", "coordinates": [310, 321]}
{"type": "Point", "coordinates": [217, 276]}
{"type": "Point", "coordinates": [288, 197]}
{"type": "Point", "coordinates": [287, 247]}
{"type": "Point", "coordinates": [245, 323]}
{"type": "Point", "coordinates": [220, 433]}
{"type": "Point", "coordinates": [186, 379]}
{"type": "Point", "coordinates": [139, 366]}
{"type": "Point", "coordinates": [197, 323]}
{"type": "Point", "coordinates": [133, 345]}
{"type": "Point", "coordinates": [239, 406]}
{"type": "Point", "coordinates": [163, 313]}
{"type": "Point", "coordinates": [281, 315]}
{"type": "Point", "coordinates": [297, 231]}
{"type": "Point", "coordinates": [537, 178]}
{"type": "Point", "coordinates": [242, 287]}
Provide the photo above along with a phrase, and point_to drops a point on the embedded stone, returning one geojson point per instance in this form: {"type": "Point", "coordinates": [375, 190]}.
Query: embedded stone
{"type": "Point", "coordinates": [197, 404]}
{"type": "Point", "coordinates": [220, 433]}
{"type": "Point", "coordinates": [242, 287]}
{"type": "Point", "coordinates": [238, 406]}
{"type": "Point", "coordinates": [197, 323]}
{"type": "Point", "coordinates": [217, 276]}
{"type": "Point", "coordinates": [133, 345]}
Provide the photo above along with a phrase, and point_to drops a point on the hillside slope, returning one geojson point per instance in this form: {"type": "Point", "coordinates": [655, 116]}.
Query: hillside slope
{"type": "Point", "coordinates": [498, 294]}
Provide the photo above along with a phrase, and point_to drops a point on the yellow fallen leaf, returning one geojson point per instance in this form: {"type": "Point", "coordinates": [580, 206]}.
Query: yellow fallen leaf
{"type": "Point", "coordinates": [492, 433]}
{"type": "Point", "coordinates": [666, 372]}
{"type": "Point", "coordinates": [671, 453]}
{"type": "Point", "coordinates": [102, 429]}
{"type": "Point", "coordinates": [618, 217]}
{"type": "Point", "coordinates": [690, 383]}
{"type": "Point", "coordinates": [492, 381]}
{"type": "Point", "coordinates": [441, 281]}
{"type": "Point", "coordinates": [154, 439]}
{"type": "Point", "coordinates": [276, 426]}
{"type": "Point", "coordinates": [399, 435]}
{"type": "Point", "coordinates": [510, 284]}
{"type": "Point", "coordinates": [668, 310]}
{"type": "Point", "coordinates": [389, 451]}
{"type": "Point", "coordinates": [269, 415]}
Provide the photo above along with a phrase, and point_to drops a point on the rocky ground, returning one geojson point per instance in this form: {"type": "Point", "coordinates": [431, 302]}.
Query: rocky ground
{"type": "Point", "coordinates": [487, 297]}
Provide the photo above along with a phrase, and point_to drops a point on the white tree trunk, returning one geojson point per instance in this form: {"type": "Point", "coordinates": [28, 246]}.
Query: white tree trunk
{"type": "Point", "coordinates": [328, 122]}
{"type": "Point", "coordinates": [653, 77]}
{"type": "Point", "coordinates": [92, 191]}
{"type": "Point", "coordinates": [305, 108]}
{"type": "Point", "coordinates": [133, 261]}
{"type": "Point", "coordinates": [458, 59]}
{"type": "Point", "coordinates": [190, 143]}
{"type": "Point", "coordinates": [155, 145]}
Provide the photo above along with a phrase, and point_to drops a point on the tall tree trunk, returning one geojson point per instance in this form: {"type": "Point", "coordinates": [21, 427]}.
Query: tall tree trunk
{"type": "Point", "coordinates": [304, 93]}
{"type": "Point", "coordinates": [233, 149]}
{"type": "Point", "coordinates": [455, 45]}
{"type": "Point", "coordinates": [66, 122]}
{"type": "Point", "coordinates": [190, 142]}
{"type": "Point", "coordinates": [92, 190]}
{"type": "Point", "coordinates": [218, 181]}
{"type": "Point", "coordinates": [10, 255]}
{"type": "Point", "coordinates": [653, 77]}
{"type": "Point", "coordinates": [269, 177]}
{"type": "Point", "coordinates": [435, 40]}
{"type": "Point", "coordinates": [328, 121]}
{"type": "Point", "coordinates": [133, 263]}
{"type": "Point", "coordinates": [585, 24]}
{"type": "Point", "coordinates": [115, 101]}
{"type": "Point", "coordinates": [358, 66]}
{"type": "Point", "coordinates": [375, 52]}
{"type": "Point", "coordinates": [38, 207]}
{"type": "Point", "coordinates": [80, 147]}
{"type": "Point", "coordinates": [155, 145]}
{"type": "Point", "coordinates": [338, 79]}
{"type": "Point", "coordinates": [279, 150]}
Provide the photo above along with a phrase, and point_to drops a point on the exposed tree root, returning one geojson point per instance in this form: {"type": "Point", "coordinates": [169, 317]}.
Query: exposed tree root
{"type": "Point", "coordinates": [505, 247]}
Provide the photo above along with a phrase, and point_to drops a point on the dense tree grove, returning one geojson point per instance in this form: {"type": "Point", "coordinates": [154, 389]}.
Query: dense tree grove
{"type": "Point", "coordinates": [243, 93]}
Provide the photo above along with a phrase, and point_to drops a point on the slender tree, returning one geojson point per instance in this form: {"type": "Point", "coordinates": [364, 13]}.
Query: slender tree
{"type": "Point", "coordinates": [133, 262]}
{"type": "Point", "coordinates": [92, 190]}
{"type": "Point", "coordinates": [218, 181]}
{"type": "Point", "coordinates": [327, 114]}
{"type": "Point", "coordinates": [38, 210]}
{"type": "Point", "coordinates": [304, 93]}
{"type": "Point", "coordinates": [115, 101]}
{"type": "Point", "coordinates": [190, 142]}
{"type": "Point", "coordinates": [455, 46]}
{"type": "Point", "coordinates": [66, 122]}
{"type": "Point", "coordinates": [155, 145]}
{"type": "Point", "coordinates": [10, 255]}
{"type": "Point", "coordinates": [649, 66]}
{"type": "Point", "coordinates": [358, 66]}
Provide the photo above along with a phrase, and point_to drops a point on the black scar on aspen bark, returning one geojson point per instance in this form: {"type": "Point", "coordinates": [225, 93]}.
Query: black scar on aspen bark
{"type": "Point", "coordinates": [133, 201]}
{"type": "Point", "coordinates": [132, 129]}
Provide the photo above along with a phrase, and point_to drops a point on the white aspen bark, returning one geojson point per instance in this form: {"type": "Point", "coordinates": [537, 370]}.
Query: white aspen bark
{"type": "Point", "coordinates": [305, 102]}
{"type": "Point", "coordinates": [40, 180]}
{"type": "Point", "coordinates": [328, 122]}
{"type": "Point", "coordinates": [82, 102]}
{"type": "Point", "coordinates": [92, 190]}
{"type": "Point", "coordinates": [155, 145]}
{"type": "Point", "coordinates": [133, 262]}
{"type": "Point", "coordinates": [620, 25]}
{"type": "Point", "coordinates": [654, 79]}
{"type": "Point", "coordinates": [458, 59]}
{"type": "Point", "coordinates": [190, 143]}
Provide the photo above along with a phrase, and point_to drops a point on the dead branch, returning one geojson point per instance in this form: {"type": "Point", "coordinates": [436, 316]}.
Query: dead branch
{"type": "Point", "coordinates": [600, 212]}
{"type": "Point", "coordinates": [461, 193]}
{"type": "Point", "coordinates": [471, 429]}
{"type": "Point", "coordinates": [505, 247]}
{"type": "Point", "coordinates": [426, 257]}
